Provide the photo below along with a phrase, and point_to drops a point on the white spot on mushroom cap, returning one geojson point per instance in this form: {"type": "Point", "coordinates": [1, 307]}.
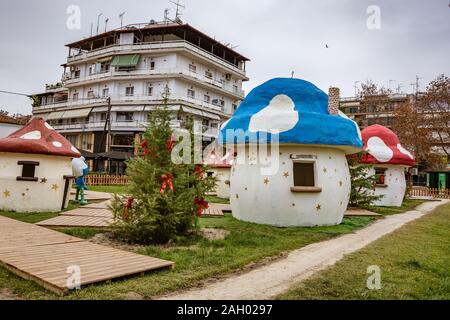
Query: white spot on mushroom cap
{"type": "Point", "coordinates": [57, 144]}
{"type": "Point", "coordinates": [343, 115]}
{"type": "Point", "coordinates": [224, 124]}
{"type": "Point", "coordinates": [279, 116]}
{"type": "Point", "coordinates": [32, 135]}
{"type": "Point", "coordinates": [74, 149]}
{"type": "Point", "coordinates": [379, 150]}
{"type": "Point", "coordinates": [48, 126]}
{"type": "Point", "coordinates": [404, 151]}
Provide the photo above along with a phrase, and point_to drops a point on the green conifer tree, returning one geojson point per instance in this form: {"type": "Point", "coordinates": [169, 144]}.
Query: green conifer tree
{"type": "Point", "coordinates": [165, 199]}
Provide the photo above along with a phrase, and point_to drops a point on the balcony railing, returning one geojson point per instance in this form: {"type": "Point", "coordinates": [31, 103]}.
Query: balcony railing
{"type": "Point", "coordinates": [69, 80]}
{"type": "Point", "coordinates": [176, 45]}
{"type": "Point", "coordinates": [136, 99]}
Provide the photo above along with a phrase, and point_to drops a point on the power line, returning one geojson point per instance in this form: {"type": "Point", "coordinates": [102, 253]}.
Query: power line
{"type": "Point", "coordinates": [15, 93]}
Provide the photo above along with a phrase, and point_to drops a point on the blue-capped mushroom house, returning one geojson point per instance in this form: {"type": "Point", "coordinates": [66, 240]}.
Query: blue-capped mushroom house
{"type": "Point", "coordinates": [291, 168]}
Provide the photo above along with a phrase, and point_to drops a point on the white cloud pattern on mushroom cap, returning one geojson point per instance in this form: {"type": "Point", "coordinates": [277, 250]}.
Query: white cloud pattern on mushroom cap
{"type": "Point", "coordinates": [74, 149]}
{"type": "Point", "coordinates": [404, 151]}
{"type": "Point", "coordinates": [57, 144]}
{"type": "Point", "coordinates": [379, 150]}
{"type": "Point", "coordinates": [32, 135]}
{"type": "Point", "coordinates": [343, 115]}
{"type": "Point", "coordinates": [48, 126]}
{"type": "Point", "coordinates": [280, 116]}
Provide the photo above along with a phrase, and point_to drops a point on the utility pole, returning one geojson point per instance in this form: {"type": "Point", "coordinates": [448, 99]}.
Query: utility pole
{"type": "Point", "coordinates": [355, 85]}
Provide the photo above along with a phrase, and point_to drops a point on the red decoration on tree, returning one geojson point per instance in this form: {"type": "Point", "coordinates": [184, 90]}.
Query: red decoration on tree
{"type": "Point", "coordinates": [170, 143]}
{"type": "Point", "coordinates": [166, 180]}
{"type": "Point", "coordinates": [198, 170]}
{"type": "Point", "coordinates": [144, 145]}
{"type": "Point", "coordinates": [201, 205]}
{"type": "Point", "coordinates": [127, 207]}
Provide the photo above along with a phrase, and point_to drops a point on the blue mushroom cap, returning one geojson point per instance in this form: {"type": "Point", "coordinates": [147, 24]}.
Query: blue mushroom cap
{"type": "Point", "coordinates": [298, 112]}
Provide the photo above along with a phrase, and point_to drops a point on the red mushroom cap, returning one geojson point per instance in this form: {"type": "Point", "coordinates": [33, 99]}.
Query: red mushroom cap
{"type": "Point", "coordinates": [215, 161]}
{"type": "Point", "coordinates": [38, 137]}
{"type": "Point", "coordinates": [384, 147]}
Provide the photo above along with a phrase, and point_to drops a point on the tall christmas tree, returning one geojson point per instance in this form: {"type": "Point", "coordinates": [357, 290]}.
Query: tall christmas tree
{"type": "Point", "coordinates": [165, 199]}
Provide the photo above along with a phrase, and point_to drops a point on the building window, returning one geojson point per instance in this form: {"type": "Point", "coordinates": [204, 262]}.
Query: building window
{"type": "Point", "coordinates": [152, 65]}
{"type": "Point", "coordinates": [92, 69]}
{"type": "Point", "coordinates": [192, 68]}
{"type": "Point", "coordinates": [191, 94]}
{"type": "Point", "coordinates": [124, 116]}
{"type": "Point", "coordinates": [75, 96]}
{"type": "Point", "coordinates": [129, 91]}
{"type": "Point", "coordinates": [235, 106]}
{"type": "Point", "coordinates": [28, 170]}
{"type": "Point", "coordinates": [103, 116]}
{"type": "Point", "coordinates": [104, 67]}
{"type": "Point", "coordinates": [222, 103]}
{"type": "Point", "coordinates": [90, 94]}
{"type": "Point", "coordinates": [208, 74]}
{"type": "Point", "coordinates": [235, 88]}
{"type": "Point", "coordinates": [77, 74]}
{"type": "Point", "coordinates": [380, 173]}
{"type": "Point", "coordinates": [150, 90]}
{"type": "Point", "coordinates": [304, 174]}
{"type": "Point", "coordinates": [105, 93]}
{"type": "Point", "coordinates": [206, 98]}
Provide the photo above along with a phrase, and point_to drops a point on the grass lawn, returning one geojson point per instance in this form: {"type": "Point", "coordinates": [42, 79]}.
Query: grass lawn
{"type": "Point", "coordinates": [414, 263]}
{"type": "Point", "coordinates": [36, 217]}
{"type": "Point", "coordinates": [196, 258]}
{"type": "Point", "coordinates": [408, 204]}
{"type": "Point", "coordinates": [109, 189]}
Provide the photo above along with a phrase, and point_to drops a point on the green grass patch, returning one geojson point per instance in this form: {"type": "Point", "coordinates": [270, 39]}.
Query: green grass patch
{"type": "Point", "coordinates": [108, 189]}
{"type": "Point", "coordinates": [197, 258]}
{"type": "Point", "coordinates": [36, 217]}
{"type": "Point", "coordinates": [414, 263]}
{"type": "Point", "coordinates": [214, 199]}
{"type": "Point", "coordinates": [408, 204]}
{"type": "Point", "coordinates": [83, 233]}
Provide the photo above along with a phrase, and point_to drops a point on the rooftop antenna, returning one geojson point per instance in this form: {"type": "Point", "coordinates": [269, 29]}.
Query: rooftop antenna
{"type": "Point", "coordinates": [418, 83]}
{"type": "Point", "coordinates": [121, 18]}
{"type": "Point", "coordinates": [399, 88]}
{"type": "Point", "coordinates": [92, 28]}
{"type": "Point", "coordinates": [166, 15]}
{"type": "Point", "coordinates": [98, 20]}
{"type": "Point", "coordinates": [355, 85]}
{"type": "Point", "coordinates": [106, 23]}
{"type": "Point", "coordinates": [178, 12]}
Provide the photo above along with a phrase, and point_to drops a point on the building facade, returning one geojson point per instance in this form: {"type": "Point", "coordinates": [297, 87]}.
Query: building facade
{"type": "Point", "coordinates": [127, 70]}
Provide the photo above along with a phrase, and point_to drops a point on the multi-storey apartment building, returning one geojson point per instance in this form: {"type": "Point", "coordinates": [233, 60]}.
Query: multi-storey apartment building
{"type": "Point", "coordinates": [129, 69]}
{"type": "Point", "coordinates": [367, 112]}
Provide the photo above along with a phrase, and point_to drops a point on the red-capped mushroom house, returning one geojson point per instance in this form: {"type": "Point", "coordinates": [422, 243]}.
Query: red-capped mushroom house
{"type": "Point", "coordinates": [35, 169]}
{"type": "Point", "coordinates": [390, 161]}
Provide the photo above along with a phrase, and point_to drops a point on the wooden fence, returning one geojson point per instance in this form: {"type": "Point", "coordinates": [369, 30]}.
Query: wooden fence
{"type": "Point", "coordinates": [429, 192]}
{"type": "Point", "coordinates": [106, 180]}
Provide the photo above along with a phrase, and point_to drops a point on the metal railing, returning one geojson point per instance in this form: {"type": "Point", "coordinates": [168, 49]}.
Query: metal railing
{"type": "Point", "coordinates": [159, 45]}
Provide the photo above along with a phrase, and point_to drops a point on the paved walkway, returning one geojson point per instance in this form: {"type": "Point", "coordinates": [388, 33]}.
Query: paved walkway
{"type": "Point", "coordinates": [271, 280]}
{"type": "Point", "coordinates": [47, 257]}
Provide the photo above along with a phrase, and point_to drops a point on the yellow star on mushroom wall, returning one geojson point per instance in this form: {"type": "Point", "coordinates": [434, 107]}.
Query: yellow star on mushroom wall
{"type": "Point", "coordinates": [266, 181]}
{"type": "Point", "coordinates": [7, 193]}
{"type": "Point", "coordinates": [55, 187]}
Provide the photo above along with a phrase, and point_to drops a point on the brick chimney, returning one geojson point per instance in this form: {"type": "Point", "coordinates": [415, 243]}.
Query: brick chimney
{"type": "Point", "coordinates": [333, 100]}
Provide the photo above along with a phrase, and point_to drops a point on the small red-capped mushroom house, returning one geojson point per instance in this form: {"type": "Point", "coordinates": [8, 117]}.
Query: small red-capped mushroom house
{"type": "Point", "coordinates": [220, 167]}
{"type": "Point", "coordinates": [390, 160]}
{"type": "Point", "coordinates": [35, 169]}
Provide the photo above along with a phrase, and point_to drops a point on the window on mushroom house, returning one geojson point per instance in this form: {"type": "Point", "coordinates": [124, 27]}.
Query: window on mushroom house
{"type": "Point", "coordinates": [304, 174]}
{"type": "Point", "coordinates": [380, 173]}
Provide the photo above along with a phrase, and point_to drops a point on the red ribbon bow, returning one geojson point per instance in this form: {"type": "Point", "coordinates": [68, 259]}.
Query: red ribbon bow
{"type": "Point", "coordinates": [166, 180]}
{"type": "Point", "coordinates": [127, 207]}
{"type": "Point", "coordinates": [144, 145]}
{"type": "Point", "coordinates": [198, 170]}
{"type": "Point", "coordinates": [201, 205]}
{"type": "Point", "coordinates": [170, 143]}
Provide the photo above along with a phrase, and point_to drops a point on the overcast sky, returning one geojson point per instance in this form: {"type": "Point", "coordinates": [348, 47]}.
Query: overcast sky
{"type": "Point", "coordinates": [279, 36]}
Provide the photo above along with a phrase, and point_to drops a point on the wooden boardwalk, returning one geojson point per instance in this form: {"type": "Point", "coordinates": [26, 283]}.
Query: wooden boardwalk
{"type": "Point", "coordinates": [47, 256]}
{"type": "Point", "coordinates": [98, 215]}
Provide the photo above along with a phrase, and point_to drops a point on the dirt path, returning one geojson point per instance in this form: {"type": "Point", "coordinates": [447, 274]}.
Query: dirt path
{"type": "Point", "coordinates": [275, 278]}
